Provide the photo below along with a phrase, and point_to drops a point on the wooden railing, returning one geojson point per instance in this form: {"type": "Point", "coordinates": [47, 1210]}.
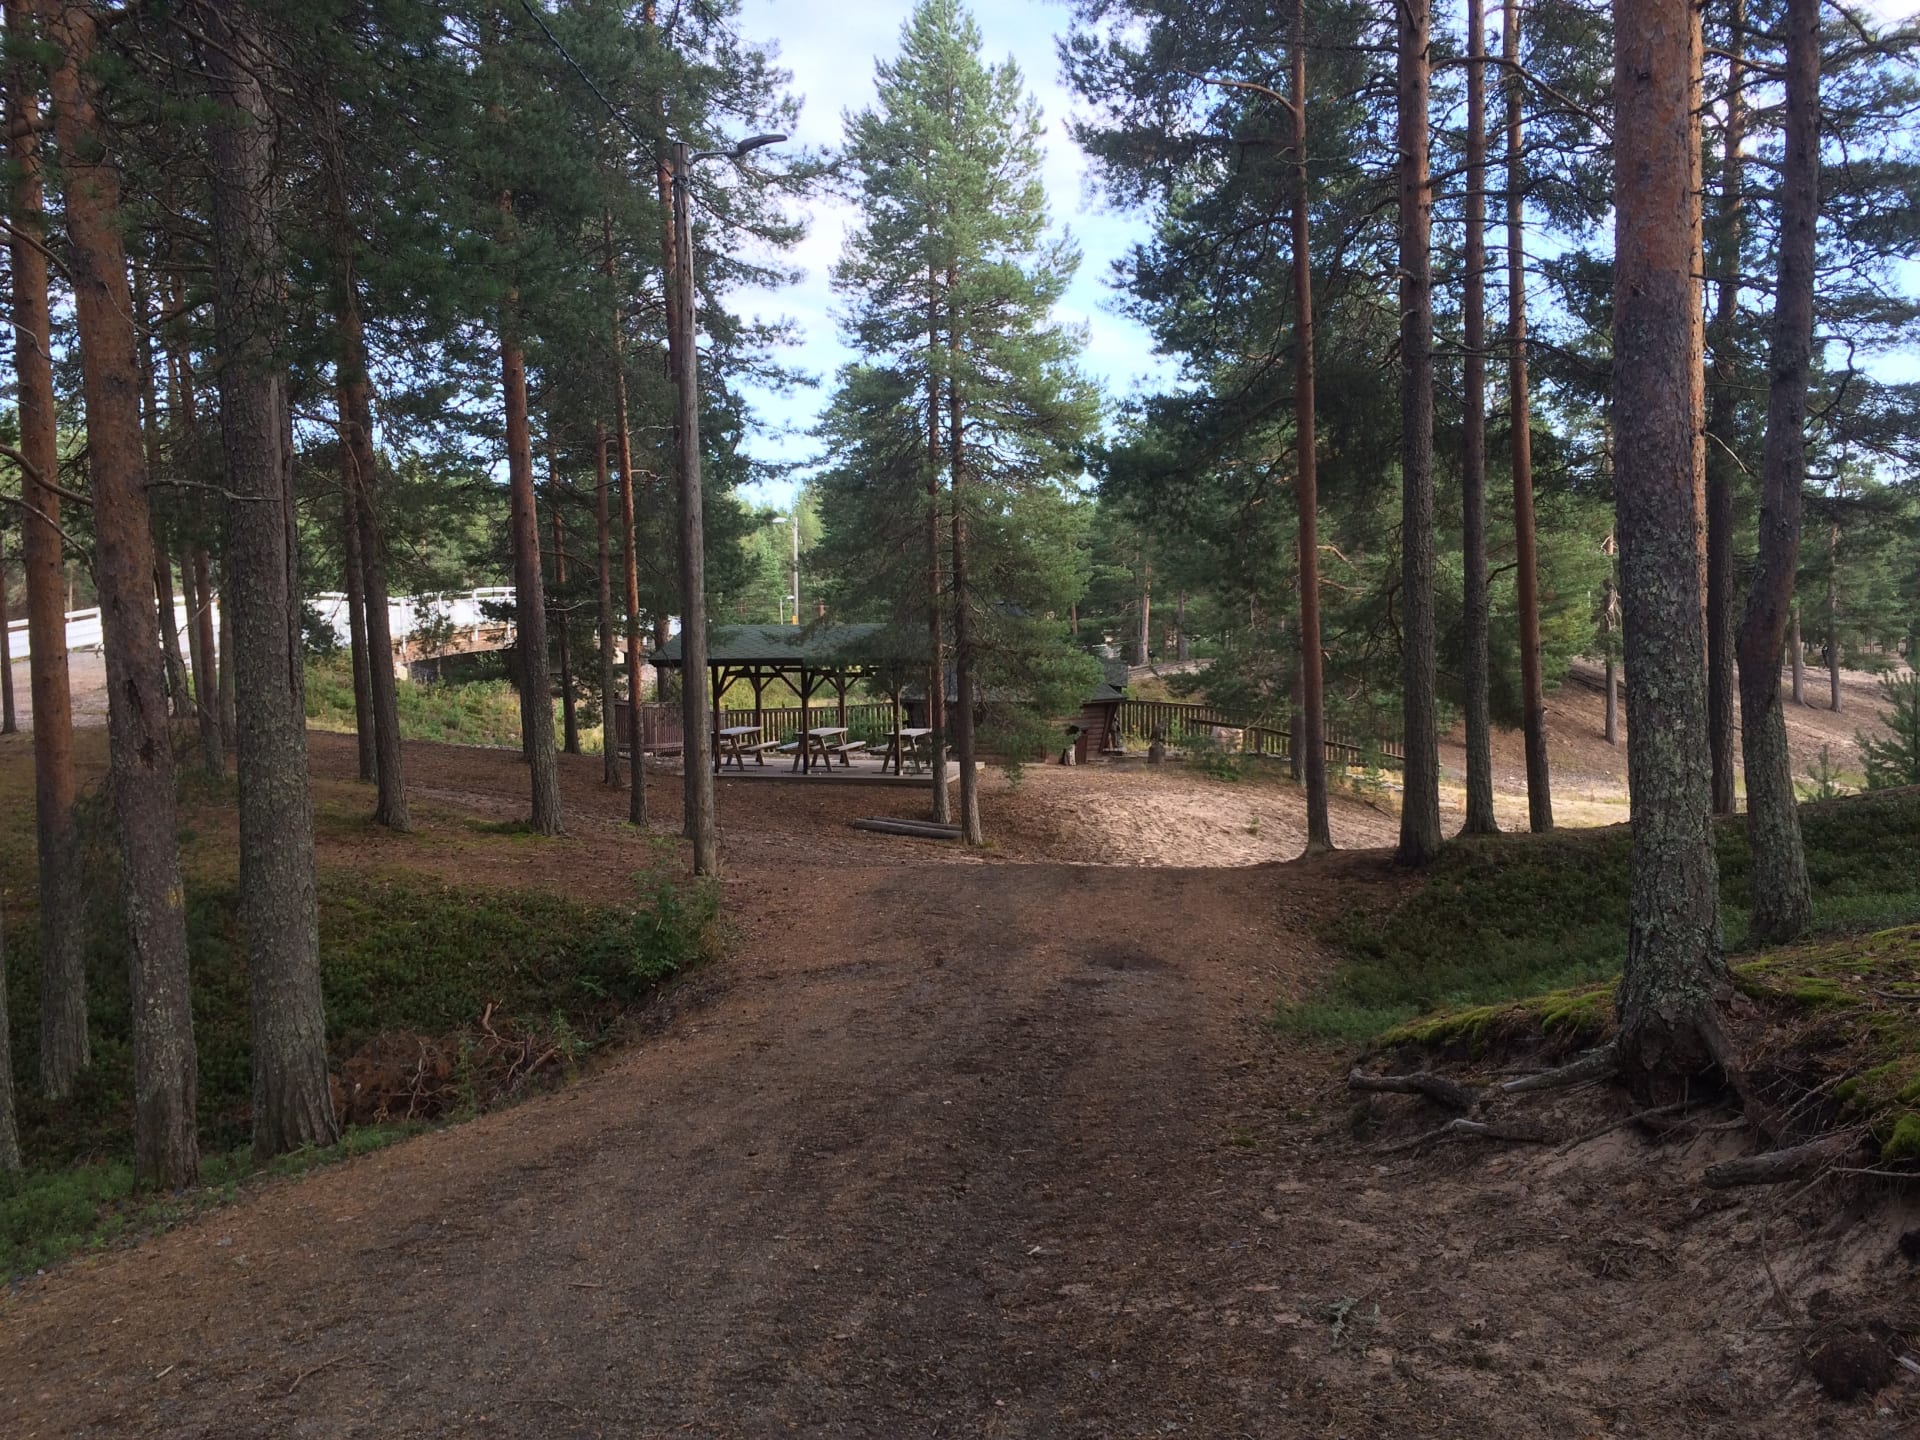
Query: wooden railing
{"type": "Point", "coordinates": [660, 730]}
{"type": "Point", "coordinates": [1181, 722]}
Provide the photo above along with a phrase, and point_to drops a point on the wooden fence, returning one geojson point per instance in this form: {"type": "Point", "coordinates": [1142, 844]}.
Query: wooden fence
{"type": "Point", "coordinates": [661, 733]}
{"type": "Point", "coordinates": [1181, 722]}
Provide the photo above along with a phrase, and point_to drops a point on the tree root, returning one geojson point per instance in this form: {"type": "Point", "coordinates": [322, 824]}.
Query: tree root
{"type": "Point", "coordinates": [1438, 1088]}
{"type": "Point", "coordinates": [1461, 1129]}
{"type": "Point", "coordinates": [1598, 1064]}
{"type": "Point", "coordinates": [1776, 1167]}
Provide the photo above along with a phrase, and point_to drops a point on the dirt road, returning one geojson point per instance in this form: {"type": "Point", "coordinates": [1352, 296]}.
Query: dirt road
{"type": "Point", "coordinates": [942, 1150]}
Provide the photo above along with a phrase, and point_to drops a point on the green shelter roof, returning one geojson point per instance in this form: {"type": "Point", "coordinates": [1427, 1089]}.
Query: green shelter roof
{"type": "Point", "coordinates": [824, 646]}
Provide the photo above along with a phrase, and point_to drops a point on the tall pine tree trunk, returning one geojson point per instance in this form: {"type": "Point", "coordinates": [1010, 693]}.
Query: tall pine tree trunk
{"type": "Point", "coordinates": [1833, 611]}
{"type": "Point", "coordinates": [279, 911]}
{"type": "Point", "coordinates": [9, 1131]}
{"type": "Point", "coordinates": [1473, 443]}
{"type": "Point", "coordinates": [630, 546]}
{"type": "Point", "coordinates": [1420, 802]}
{"type": "Point", "coordinates": [162, 562]}
{"type": "Point", "coordinates": [1797, 656]}
{"type": "Point", "coordinates": [936, 630]}
{"type": "Point", "coordinates": [609, 702]}
{"type": "Point", "coordinates": [1676, 979]}
{"type": "Point", "coordinates": [140, 752]}
{"type": "Point", "coordinates": [229, 702]}
{"type": "Point", "coordinates": [206, 667]}
{"type": "Point", "coordinates": [963, 629]}
{"type": "Point", "coordinates": [1723, 397]}
{"type": "Point", "coordinates": [9, 722]}
{"type": "Point", "coordinates": [63, 982]}
{"type": "Point", "coordinates": [1307, 737]}
{"type": "Point", "coordinates": [353, 570]}
{"type": "Point", "coordinates": [529, 601]}
{"type": "Point", "coordinates": [361, 477]}
{"type": "Point", "coordinates": [1144, 644]}
{"type": "Point", "coordinates": [569, 716]}
{"type": "Point", "coordinates": [1782, 897]}
{"type": "Point", "coordinates": [1533, 695]}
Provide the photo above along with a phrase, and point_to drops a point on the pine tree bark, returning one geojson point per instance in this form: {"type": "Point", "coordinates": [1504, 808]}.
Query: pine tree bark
{"type": "Point", "coordinates": [206, 667]}
{"type": "Point", "coordinates": [279, 910]}
{"type": "Point", "coordinates": [1533, 695]}
{"type": "Point", "coordinates": [1675, 979]}
{"type": "Point", "coordinates": [963, 641]}
{"type": "Point", "coordinates": [140, 753]}
{"type": "Point", "coordinates": [1307, 738]}
{"type": "Point", "coordinates": [1420, 801]}
{"type": "Point", "coordinates": [360, 476]}
{"type": "Point", "coordinates": [64, 1050]}
{"type": "Point", "coordinates": [176, 665]}
{"type": "Point", "coordinates": [1833, 615]}
{"type": "Point", "coordinates": [936, 630]}
{"type": "Point", "coordinates": [609, 701]}
{"type": "Point", "coordinates": [630, 546]}
{"type": "Point", "coordinates": [1722, 400]}
{"type": "Point", "coordinates": [530, 607]}
{"type": "Point", "coordinates": [569, 715]}
{"type": "Point", "coordinates": [9, 1130]}
{"type": "Point", "coordinates": [363, 730]}
{"type": "Point", "coordinates": [1182, 644]}
{"type": "Point", "coordinates": [1797, 656]}
{"type": "Point", "coordinates": [1473, 444]}
{"type": "Point", "coordinates": [1782, 897]}
{"type": "Point", "coordinates": [9, 722]}
{"type": "Point", "coordinates": [229, 703]}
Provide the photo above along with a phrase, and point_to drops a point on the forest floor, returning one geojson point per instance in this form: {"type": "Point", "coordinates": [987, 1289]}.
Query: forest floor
{"type": "Point", "coordinates": [960, 1145]}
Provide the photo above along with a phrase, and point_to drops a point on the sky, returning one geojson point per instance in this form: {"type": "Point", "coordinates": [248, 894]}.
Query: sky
{"type": "Point", "coordinates": [830, 47]}
{"type": "Point", "coordinates": [831, 50]}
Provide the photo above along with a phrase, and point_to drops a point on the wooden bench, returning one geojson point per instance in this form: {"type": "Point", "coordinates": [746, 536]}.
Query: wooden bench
{"type": "Point", "coordinates": [759, 752]}
{"type": "Point", "coordinates": [846, 749]}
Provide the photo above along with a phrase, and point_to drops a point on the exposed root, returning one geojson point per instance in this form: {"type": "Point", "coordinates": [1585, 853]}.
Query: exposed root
{"type": "Point", "coordinates": [1462, 1129]}
{"type": "Point", "coordinates": [1438, 1088]}
{"type": "Point", "coordinates": [1598, 1064]}
{"type": "Point", "coordinates": [1776, 1167]}
{"type": "Point", "coordinates": [1659, 1118]}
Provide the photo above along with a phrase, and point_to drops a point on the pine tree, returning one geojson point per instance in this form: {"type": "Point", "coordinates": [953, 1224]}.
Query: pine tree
{"type": "Point", "coordinates": [1895, 760]}
{"type": "Point", "coordinates": [64, 1050]}
{"type": "Point", "coordinates": [166, 1143]}
{"type": "Point", "coordinates": [1420, 798]}
{"type": "Point", "coordinates": [1782, 895]}
{"type": "Point", "coordinates": [953, 282]}
{"type": "Point", "coordinates": [279, 916]}
{"type": "Point", "coordinates": [1675, 977]}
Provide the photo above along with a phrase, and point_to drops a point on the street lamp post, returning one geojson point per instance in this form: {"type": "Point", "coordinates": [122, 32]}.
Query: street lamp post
{"type": "Point", "coordinates": [696, 713]}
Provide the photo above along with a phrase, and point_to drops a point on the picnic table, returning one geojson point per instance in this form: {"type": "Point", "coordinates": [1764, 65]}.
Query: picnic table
{"type": "Point", "coordinates": [736, 743]}
{"type": "Point", "coordinates": [909, 746]}
{"type": "Point", "coordinates": [818, 745]}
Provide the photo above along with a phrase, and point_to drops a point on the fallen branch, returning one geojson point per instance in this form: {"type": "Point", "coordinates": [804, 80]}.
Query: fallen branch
{"type": "Point", "coordinates": [1468, 1130]}
{"type": "Point", "coordinates": [1600, 1064]}
{"type": "Point", "coordinates": [1776, 1167]}
{"type": "Point", "coordinates": [1437, 1088]}
{"type": "Point", "coordinates": [918, 829]}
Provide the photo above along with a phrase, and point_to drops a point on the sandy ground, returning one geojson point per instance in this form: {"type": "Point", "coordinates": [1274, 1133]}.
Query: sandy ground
{"type": "Point", "coordinates": [955, 1146]}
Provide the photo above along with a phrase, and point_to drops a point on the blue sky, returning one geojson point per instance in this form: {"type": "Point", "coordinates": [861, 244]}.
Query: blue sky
{"type": "Point", "coordinates": [830, 48]}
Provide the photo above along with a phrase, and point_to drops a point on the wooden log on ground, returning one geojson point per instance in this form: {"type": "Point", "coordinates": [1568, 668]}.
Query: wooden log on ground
{"type": "Point", "coordinates": [918, 829]}
{"type": "Point", "coordinates": [1437, 1088]}
{"type": "Point", "coordinates": [1776, 1167]}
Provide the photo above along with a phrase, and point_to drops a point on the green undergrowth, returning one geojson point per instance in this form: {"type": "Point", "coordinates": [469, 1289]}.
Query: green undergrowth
{"type": "Point", "coordinates": [1509, 917]}
{"type": "Point", "coordinates": [466, 712]}
{"type": "Point", "coordinates": [472, 977]}
{"type": "Point", "coordinates": [1836, 1019]}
